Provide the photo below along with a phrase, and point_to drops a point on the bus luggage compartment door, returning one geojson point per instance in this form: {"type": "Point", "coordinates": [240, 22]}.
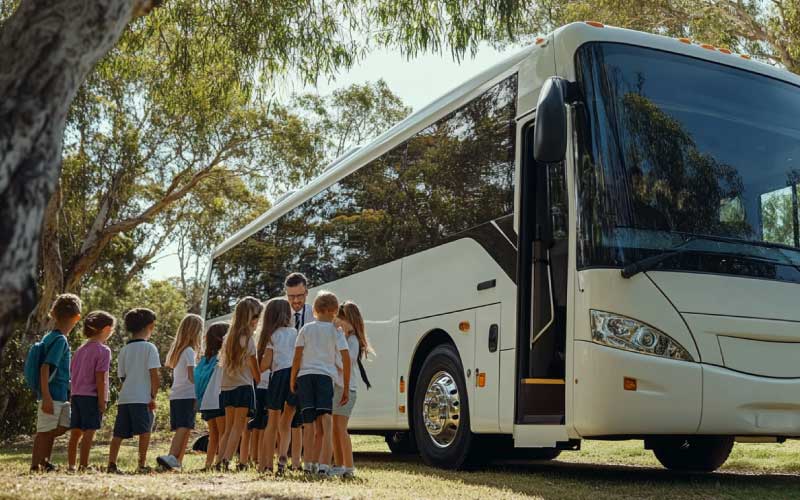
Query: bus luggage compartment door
{"type": "Point", "coordinates": [486, 401]}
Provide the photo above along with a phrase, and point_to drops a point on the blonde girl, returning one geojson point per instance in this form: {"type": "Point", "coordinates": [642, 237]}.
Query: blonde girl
{"type": "Point", "coordinates": [239, 372]}
{"type": "Point", "coordinates": [351, 323]}
{"type": "Point", "coordinates": [276, 350]}
{"type": "Point", "coordinates": [181, 358]}
{"type": "Point", "coordinates": [203, 375]}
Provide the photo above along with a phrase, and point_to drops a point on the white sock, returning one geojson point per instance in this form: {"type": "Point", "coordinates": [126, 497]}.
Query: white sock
{"type": "Point", "coordinates": [323, 467]}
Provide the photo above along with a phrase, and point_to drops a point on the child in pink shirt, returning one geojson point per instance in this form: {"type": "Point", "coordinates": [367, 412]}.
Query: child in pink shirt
{"type": "Point", "coordinates": [89, 385]}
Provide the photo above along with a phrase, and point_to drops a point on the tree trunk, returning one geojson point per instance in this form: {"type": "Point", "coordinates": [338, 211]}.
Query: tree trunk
{"type": "Point", "coordinates": [46, 51]}
{"type": "Point", "coordinates": [52, 275]}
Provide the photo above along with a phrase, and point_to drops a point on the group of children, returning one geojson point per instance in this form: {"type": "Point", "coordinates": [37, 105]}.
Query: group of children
{"type": "Point", "coordinates": [254, 395]}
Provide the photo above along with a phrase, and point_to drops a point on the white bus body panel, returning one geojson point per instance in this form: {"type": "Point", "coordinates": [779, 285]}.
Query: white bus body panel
{"type": "Point", "coordinates": [445, 279]}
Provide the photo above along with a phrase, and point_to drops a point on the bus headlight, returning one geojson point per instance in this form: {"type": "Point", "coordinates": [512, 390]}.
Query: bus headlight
{"type": "Point", "coordinates": [625, 333]}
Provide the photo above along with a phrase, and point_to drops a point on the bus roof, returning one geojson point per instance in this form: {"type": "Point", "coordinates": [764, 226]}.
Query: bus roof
{"type": "Point", "coordinates": [568, 37]}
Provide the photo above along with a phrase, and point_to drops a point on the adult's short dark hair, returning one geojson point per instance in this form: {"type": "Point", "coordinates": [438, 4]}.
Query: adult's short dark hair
{"type": "Point", "coordinates": [295, 279]}
{"type": "Point", "coordinates": [138, 319]}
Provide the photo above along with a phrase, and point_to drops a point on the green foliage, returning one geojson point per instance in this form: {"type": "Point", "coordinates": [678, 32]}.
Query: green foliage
{"type": "Point", "coordinates": [18, 400]}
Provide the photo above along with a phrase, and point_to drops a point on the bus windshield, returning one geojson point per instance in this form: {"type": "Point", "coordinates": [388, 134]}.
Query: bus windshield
{"type": "Point", "coordinates": [680, 153]}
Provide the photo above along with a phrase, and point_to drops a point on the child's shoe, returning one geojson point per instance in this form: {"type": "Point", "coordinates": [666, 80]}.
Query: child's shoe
{"type": "Point", "coordinates": [144, 469]}
{"type": "Point", "coordinates": [48, 467]}
{"type": "Point", "coordinates": [281, 466]}
{"type": "Point", "coordinates": [349, 473]}
{"type": "Point", "coordinates": [222, 466]}
{"type": "Point", "coordinates": [113, 469]}
{"type": "Point", "coordinates": [168, 462]}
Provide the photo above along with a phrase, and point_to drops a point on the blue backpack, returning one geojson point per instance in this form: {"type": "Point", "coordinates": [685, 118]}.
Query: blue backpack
{"type": "Point", "coordinates": [33, 363]}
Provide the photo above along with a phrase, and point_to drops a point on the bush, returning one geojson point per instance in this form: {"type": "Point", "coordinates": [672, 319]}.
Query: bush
{"type": "Point", "coordinates": [19, 401]}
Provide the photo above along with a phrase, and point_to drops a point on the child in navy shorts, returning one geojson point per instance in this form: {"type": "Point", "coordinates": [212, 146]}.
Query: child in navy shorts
{"type": "Point", "coordinates": [137, 367]}
{"type": "Point", "coordinates": [89, 385]}
{"type": "Point", "coordinates": [182, 401]}
{"type": "Point", "coordinates": [276, 347]}
{"type": "Point", "coordinates": [313, 372]}
{"type": "Point", "coordinates": [204, 376]}
{"type": "Point", "coordinates": [239, 372]}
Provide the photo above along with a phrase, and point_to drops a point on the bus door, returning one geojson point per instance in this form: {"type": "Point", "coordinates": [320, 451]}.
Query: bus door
{"type": "Point", "coordinates": [542, 290]}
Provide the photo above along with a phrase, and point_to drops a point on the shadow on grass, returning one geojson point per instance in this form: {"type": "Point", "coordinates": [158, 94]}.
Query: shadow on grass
{"type": "Point", "coordinates": [581, 480]}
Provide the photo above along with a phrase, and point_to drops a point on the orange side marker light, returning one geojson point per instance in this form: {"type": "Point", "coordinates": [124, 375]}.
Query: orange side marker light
{"type": "Point", "coordinates": [629, 384]}
{"type": "Point", "coordinates": [685, 40]}
{"type": "Point", "coordinates": [464, 326]}
{"type": "Point", "coordinates": [402, 385]}
{"type": "Point", "coordinates": [596, 24]}
{"type": "Point", "coordinates": [482, 379]}
{"type": "Point", "coordinates": [402, 408]}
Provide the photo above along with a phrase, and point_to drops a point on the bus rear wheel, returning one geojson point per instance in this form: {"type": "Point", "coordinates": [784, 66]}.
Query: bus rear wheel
{"type": "Point", "coordinates": [441, 411]}
{"type": "Point", "coordinates": [696, 453]}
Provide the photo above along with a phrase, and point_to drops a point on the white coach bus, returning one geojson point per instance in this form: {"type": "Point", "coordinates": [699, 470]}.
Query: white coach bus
{"type": "Point", "coordinates": [597, 238]}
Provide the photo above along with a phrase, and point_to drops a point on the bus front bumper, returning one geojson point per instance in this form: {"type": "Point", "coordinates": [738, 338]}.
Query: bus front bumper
{"type": "Point", "coordinates": [676, 397]}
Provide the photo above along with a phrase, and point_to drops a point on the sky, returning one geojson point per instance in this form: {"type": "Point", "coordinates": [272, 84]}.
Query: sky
{"type": "Point", "coordinates": [417, 81]}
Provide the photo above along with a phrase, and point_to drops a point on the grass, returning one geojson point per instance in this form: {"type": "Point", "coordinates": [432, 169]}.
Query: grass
{"type": "Point", "coordinates": [601, 470]}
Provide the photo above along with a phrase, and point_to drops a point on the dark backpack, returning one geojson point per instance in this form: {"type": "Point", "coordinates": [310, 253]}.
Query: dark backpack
{"type": "Point", "coordinates": [36, 356]}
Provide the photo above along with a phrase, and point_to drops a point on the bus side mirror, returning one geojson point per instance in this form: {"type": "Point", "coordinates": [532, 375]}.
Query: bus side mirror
{"type": "Point", "coordinates": [550, 129]}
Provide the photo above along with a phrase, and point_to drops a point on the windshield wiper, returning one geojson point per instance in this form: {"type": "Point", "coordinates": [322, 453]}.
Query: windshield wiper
{"type": "Point", "coordinates": [648, 263]}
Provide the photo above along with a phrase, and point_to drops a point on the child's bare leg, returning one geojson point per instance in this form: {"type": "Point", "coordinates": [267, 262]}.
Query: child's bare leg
{"type": "Point", "coordinates": [113, 450]}
{"type": "Point", "coordinates": [297, 445]}
{"type": "Point", "coordinates": [267, 445]}
{"type": "Point", "coordinates": [178, 444]}
{"type": "Point", "coordinates": [255, 441]}
{"type": "Point", "coordinates": [244, 445]}
{"type": "Point", "coordinates": [184, 445]}
{"type": "Point", "coordinates": [221, 427]}
{"type": "Point", "coordinates": [213, 442]}
{"type": "Point", "coordinates": [285, 430]}
{"type": "Point", "coordinates": [238, 422]}
{"type": "Point", "coordinates": [308, 443]}
{"type": "Point", "coordinates": [326, 444]}
{"type": "Point", "coordinates": [144, 444]}
{"type": "Point", "coordinates": [52, 435]}
{"type": "Point", "coordinates": [347, 444]}
{"type": "Point", "coordinates": [86, 446]}
{"type": "Point", "coordinates": [72, 447]}
{"type": "Point", "coordinates": [230, 413]}
{"type": "Point", "coordinates": [36, 455]}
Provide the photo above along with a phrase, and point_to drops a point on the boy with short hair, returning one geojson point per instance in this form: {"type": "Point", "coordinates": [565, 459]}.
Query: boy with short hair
{"type": "Point", "coordinates": [137, 367]}
{"type": "Point", "coordinates": [313, 371]}
{"type": "Point", "coordinates": [53, 413]}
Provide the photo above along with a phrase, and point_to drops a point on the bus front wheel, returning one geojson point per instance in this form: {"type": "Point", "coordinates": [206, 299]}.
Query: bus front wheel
{"type": "Point", "coordinates": [697, 453]}
{"type": "Point", "coordinates": [441, 411]}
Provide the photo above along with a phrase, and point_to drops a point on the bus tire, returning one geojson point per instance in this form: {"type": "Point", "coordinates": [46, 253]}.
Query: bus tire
{"type": "Point", "coordinates": [697, 453]}
{"type": "Point", "coordinates": [401, 443]}
{"type": "Point", "coordinates": [441, 410]}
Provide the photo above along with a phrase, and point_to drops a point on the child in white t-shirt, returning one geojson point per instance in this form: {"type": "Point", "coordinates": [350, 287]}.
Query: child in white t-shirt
{"type": "Point", "coordinates": [181, 358]}
{"type": "Point", "coordinates": [276, 349]}
{"type": "Point", "coordinates": [313, 373]}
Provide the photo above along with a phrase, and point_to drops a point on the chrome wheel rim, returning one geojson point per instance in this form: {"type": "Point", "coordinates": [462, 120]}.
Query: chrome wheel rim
{"type": "Point", "coordinates": [441, 409]}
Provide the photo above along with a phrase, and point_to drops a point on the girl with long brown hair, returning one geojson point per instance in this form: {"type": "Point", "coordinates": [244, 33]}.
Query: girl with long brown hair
{"type": "Point", "coordinates": [239, 372]}
{"type": "Point", "coordinates": [350, 321]}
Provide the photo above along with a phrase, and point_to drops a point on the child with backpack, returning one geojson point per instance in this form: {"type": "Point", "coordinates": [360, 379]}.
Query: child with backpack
{"type": "Point", "coordinates": [46, 371]}
{"type": "Point", "coordinates": [137, 366]}
{"type": "Point", "coordinates": [182, 401]}
{"type": "Point", "coordinates": [239, 372]}
{"type": "Point", "coordinates": [89, 385]}
{"type": "Point", "coordinates": [207, 389]}
{"type": "Point", "coordinates": [351, 323]}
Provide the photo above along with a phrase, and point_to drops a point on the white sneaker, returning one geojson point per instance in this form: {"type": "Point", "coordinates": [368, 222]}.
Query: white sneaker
{"type": "Point", "coordinates": [336, 471]}
{"type": "Point", "coordinates": [169, 462]}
